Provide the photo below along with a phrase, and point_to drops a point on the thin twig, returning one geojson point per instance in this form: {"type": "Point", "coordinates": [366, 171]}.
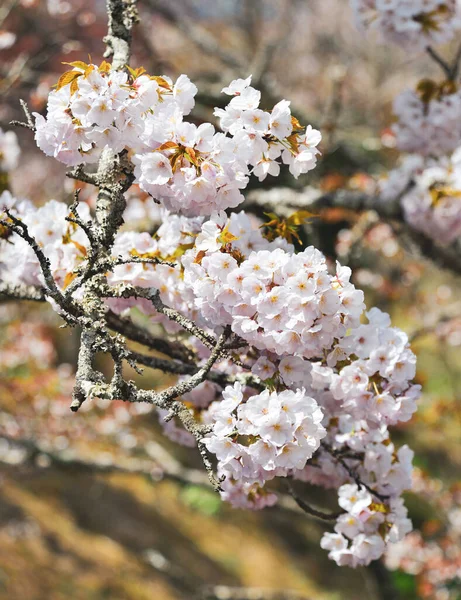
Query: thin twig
{"type": "Point", "coordinates": [21, 229]}
{"type": "Point", "coordinates": [440, 61]}
{"type": "Point", "coordinates": [86, 226]}
{"type": "Point", "coordinates": [143, 261]}
{"type": "Point", "coordinates": [310, 510]}
{"type": "Point", "coordinates": [131, 331]}
{"type": "Point", "coordinates": [80, 175]}
{"type": "Point", "coordinates": [455, 65]}
{"type": "Point", "coordinates": [29, 124]}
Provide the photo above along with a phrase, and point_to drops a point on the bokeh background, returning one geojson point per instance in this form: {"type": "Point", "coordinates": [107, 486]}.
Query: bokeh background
{"type": "Point", "coordinates": [100, 505]}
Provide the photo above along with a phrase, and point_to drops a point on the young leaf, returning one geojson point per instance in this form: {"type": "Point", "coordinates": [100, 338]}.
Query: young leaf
{"type": "Point", "coordinates": [67, 77]}
{"type": "Point", "coordinates": [104, 67]}
{"type": "Point", "coordinates": [161, 81]}
{"type": "Point", "coordinates": [77, 64]}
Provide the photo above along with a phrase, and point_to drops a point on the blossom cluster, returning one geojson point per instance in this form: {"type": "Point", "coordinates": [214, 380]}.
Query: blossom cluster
{"type": "Point", "coordinates": [359, 379]}
{"type": "Point", "coordinates": [428, 120]}
{"type": "Point", "coordinates": [267, 436]}
{"type": "Point", "coordinates": [318, 381]}
{"type": "Point", "coordinates": [191, 169]}
{"type": "Point", "coordinates": [176, 236]}
{"type": "Point", "coordinates": [274, 299]}
{"type": "Point", "coordinates": [368, 525]}
{"type": "Point", "coordinates": [428, 180]}
{"type": "Point", "coordinates": [433, 205]}
{"type": "Point", "coordinates": [325, 376]}
{"type": "Point", "coordinates": [413, 24]}
{"type": "Point", "coordinates": [430, 194]}
{"type": "Point", "coordinates": [63, 243]}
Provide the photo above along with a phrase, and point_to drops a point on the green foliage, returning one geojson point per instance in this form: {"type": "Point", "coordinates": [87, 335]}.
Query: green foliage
{"type": "Point", "coordinates": [202, 500]}
{"type": "Point", "coordinates": [405, 584]}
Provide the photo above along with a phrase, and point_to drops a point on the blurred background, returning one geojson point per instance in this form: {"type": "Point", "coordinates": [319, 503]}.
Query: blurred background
{"type": "Point", "coordinates": [100, 504]}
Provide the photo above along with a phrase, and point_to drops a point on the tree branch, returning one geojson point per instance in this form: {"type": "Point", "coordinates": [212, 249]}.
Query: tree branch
{"type": "Point", "coordinates": [29, 124]}
{"type": "Point", "coordinates": [51, 288]}
{"type": "Point", "coordinates": [122, 16]}
{"type": "Point", "coordinates": [440, 61]}
{"type": "Point", "coordinates": [85, 372]}
{"type": "Point", "coordinates": [22, 292]}
{"type": "Point", "coordinates": [198, 35]}
{"type": "Point", "coordinates": [310, 510]}
{"type": "Point", "coordinates": [118, 389]}
{"type": "Point", "coordinates": [126, 327]}
{"type": "Point", "coordinates": [455, 65]}
{"type": "Point", "coordinates": [80, 175]}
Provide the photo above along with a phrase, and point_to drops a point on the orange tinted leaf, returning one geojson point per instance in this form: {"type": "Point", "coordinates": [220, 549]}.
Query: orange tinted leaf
{"type": "Point", "coordinates": [447, 88]}
{"type": "Point", "coordinates": [68, 279]}
{"type": "Point", "coordinates": [296, 124]}
{"type": "Point", "coordinates": [292, 233]}
{"type": "Point", "coordinates": [161, 81]}
{"type": "Point", "coordinates": [180, 250]}
{"type": "Point", "coordinates": [379, 507]}
{"type": "Point", "coordinates": [167, 146]}
{"type": "Point", "coordinates": [77, 64]}
{"type": "Point", "coordinates": [140, 71]}
{"type": "Point", "coordinates": [200, 256]}
{"type": "Point", "coordinates": [79, 247]}
{"type": "Point", "coordinates": [74, 87]}
{"type": "Point", "coordinates": [191, 156]}
{"type": "Point", "coordinates": [67, 77]}
{"type": "Point", "coordinates": [293, 140]}
{"type": "Point", "coordinates": [191, 152]}
{"type": "Point", "coordinates": [135, 73]}
{"type": "Point", "coordinates": [427, 89]}
{"type": "Point", "coordinates": [89, 70]}
{"type": "Point", "coordinates": [384, 528]}
{"type": "Point", "coordinates": [175, 161]}
{"type": "Point", "coordinates": [104, 67]}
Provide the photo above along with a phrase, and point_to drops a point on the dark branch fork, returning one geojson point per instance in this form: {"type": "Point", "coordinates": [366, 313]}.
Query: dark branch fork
{"type": "Point", "coordinates": [451, 70]}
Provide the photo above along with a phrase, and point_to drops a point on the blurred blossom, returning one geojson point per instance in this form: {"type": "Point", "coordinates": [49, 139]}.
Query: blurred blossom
{"type": "Point", "coordinates": [7, 39]}
{"type": "Point", "coordinates": [365, 277]}
{"type": "Point", "coordinates": [58, 7]}
{"type": "Point", "coordinates": [86, 18]}
{"type": "Point", "coordinates": [444, 292]}
{"type": "Point", "coordinates": [390, 248]}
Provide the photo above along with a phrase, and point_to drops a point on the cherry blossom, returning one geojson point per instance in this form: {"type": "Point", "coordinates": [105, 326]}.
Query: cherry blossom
{"type": "Point", "coordinates": [428, 120]}
{"type": "Point", "coordinates": [318, 380]}
{"type": "Point", "coordinates": [430, 192]}
{"type": "Point", "coordinates": [189, 169]}
{"type": "Point", "coordinates": [9, 151]}
{"type": "Point", "coordinates": [413, 24]}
